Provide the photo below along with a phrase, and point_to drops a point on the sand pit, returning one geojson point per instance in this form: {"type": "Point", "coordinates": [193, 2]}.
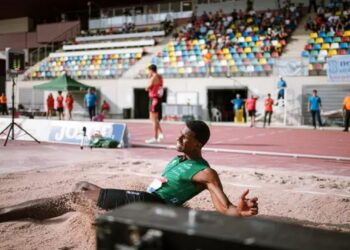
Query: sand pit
{"type": "Point", "coordinates": [308, 199]}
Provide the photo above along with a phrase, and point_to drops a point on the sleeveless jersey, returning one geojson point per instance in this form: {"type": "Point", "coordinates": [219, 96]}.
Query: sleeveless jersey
{"type": "Point", "coordinates": [179, 187]}
{"type": "Point", "coordinates": [154, 91]}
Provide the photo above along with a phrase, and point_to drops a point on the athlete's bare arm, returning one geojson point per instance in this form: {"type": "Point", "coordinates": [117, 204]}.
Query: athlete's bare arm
{"type": "Point", "coordinates": [210, 179]}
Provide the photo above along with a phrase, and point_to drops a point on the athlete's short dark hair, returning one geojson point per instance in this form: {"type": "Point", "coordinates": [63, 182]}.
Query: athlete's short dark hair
{"type": "Point", "coordinates": [200, 129]}
{"type": "Point", "coordinates": [153, 68]}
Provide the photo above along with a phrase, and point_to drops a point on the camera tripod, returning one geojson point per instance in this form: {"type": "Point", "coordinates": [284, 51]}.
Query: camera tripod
{"type": "Point", "coordinates": [12, 125]}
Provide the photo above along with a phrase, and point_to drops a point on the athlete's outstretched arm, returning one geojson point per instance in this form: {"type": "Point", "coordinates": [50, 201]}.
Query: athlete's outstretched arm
{"type": "Point", "coordinates": [211, 180]}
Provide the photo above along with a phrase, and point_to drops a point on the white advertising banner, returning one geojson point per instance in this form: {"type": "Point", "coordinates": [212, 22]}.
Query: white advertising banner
{"type": "Point", "coordinates": [339, 69]}
{"type": "Point", "coordinates": [70, 132]}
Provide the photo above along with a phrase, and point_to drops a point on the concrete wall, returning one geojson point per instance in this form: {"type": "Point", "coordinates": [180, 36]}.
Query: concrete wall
{"type": "Point", "coordinates": [120, 92]}
{"type": "Point", "coordinates": [14, 25]}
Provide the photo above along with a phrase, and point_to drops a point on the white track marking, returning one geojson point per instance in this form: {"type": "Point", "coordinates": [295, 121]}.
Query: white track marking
{"type": "Point", "coordinates": [253, 152]}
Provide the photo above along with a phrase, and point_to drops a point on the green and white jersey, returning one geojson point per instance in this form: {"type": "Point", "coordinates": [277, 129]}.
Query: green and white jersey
{"type": "Point", "coordinates": [178, 187]}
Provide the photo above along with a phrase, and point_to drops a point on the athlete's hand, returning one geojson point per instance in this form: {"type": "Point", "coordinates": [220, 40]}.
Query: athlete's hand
{"type": "Point", "coordinates": [247, 207]}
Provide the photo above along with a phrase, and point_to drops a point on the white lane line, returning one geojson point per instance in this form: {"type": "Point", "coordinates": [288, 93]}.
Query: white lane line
{"type": "Point", "coordinates": [316, 192]}
{"type": "Point", "coordinates": [233, 139]}
{"type": "Point", "coordinates": [252, 152]}
{"type": "Point", "coordinates": [263, 134]}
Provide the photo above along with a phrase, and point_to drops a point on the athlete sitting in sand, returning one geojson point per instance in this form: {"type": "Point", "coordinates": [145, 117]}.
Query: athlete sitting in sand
{"type": "Point", "coordinates": [183, 178]}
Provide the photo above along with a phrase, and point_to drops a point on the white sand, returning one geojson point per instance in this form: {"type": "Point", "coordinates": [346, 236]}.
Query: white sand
{"type": "Point", "coordinates": [311, 200]}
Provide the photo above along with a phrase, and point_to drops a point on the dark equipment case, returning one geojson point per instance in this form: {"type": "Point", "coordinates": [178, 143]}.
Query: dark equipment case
{"type": "Point", "coordinates": [149, 226]}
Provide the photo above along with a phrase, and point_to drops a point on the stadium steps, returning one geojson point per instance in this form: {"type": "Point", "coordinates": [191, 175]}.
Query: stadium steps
{"type": "Point", "coordinates": [143, 63]}
{"type": "Point", "coordinates": [298, 40]}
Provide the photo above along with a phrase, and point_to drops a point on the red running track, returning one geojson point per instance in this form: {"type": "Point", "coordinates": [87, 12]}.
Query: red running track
{"type": "Point", "coordinates": [24, 155]}
{"type": "Point", "coordinates": [317, 143]}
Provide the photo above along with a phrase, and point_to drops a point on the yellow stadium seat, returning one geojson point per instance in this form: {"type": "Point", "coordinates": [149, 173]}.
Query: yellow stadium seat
{"type": "Point", "coordinates": [258, 44]}
{"type": "Point", "coordinates": [319, 40]}
{"type": "Point", "coordinates": [325, 46]}
{"type": "Point", "coordinates": [248, 39]}
{"type": "Point", "coordinates": [310, 67]}
{"type": "Point", "coordinates": [332, 52]}
{"type": "Point", "coordinates": [262, 61]}
{"type": "Point", "coordinates": [247, 50]}
{"type": "Point", "coordinates": [346, 33]}
{"type": "Point", "coordinates": [226, 51]}
{"type": "Point", "coordinates": [181, 71]}
{"type": "Point", "coordinates": [231, 62]}
{"type": "Point", "coordinates": [313, 35]}
{"type": "Point", "coordinates": [234, 69]}
{"type": "Point", "coordinates": [238, 34]}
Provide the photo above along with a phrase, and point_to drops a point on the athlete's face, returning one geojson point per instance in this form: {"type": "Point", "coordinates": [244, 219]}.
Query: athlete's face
{"type": "Point", "coordinates": [187, 141]}
{"type": "Point", "coordinates": [150, 73]}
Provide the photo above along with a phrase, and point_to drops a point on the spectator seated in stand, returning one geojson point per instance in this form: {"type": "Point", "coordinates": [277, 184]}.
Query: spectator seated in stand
{"type": "Point", "coordinates": [222, 42]}
{"type": "Point", "coordinates": [329, 36]}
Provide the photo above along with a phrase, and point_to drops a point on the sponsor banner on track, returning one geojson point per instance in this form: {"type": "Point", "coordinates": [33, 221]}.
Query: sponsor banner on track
{"type": "Point", "coordinates": [70, 132]}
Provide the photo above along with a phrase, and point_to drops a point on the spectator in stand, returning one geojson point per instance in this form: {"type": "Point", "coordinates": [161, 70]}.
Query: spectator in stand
{"type": "Point", "coordinates": [3, 104]}
{"type": "Point", "coordinates": [315, 107]}
{"type": "Point", "coordinates": [346, 110]}
{"type": "Point", "coordinates": [50, 103]}
{"type": "Point", "coordinates": [250, 104]}
{"type": "Point", "coordinates": [90, 101]}
{"type": "Point", "coordinates": [59, 107]}
{"type": "Point", "coordinates": [268, 109]}
{"type": "Point", "coordinates": [281, 85]}
{"type": "Point", "coordinates": [105, 108]}
{"type": "Point", "coordinates": [238, 103]}
{"type": "Point", "coordinates": [69, 105]}
{"type": "Point", "coordinates": [312, 4]}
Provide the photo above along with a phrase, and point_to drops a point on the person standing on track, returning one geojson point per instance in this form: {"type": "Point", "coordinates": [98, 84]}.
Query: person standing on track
{"type": "Point", "coordinates": [346, 110]}
{"type": "Point", "coordinates": [60, 100]}
{"type": "Point", "coordinates": [90, 101]}
{"type": "Point", "coordinates": [69, 104]}
{"type": "Point", "coordinates": [155, 94]}
{"type": "Point", "coordinates": [250, 104]}
{"type": "Point", "coordinates": [3, 104]}
{"type": "Point", "coordinates": [50, 102]}
{"type": "Point", "coordinates": [315, 107]}
{"type": "Point", "coordinates": [268, 109]}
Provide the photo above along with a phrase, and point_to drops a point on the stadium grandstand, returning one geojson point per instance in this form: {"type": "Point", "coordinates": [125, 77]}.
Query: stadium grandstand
{"type": "Point", "coordinates": [207, 51]}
